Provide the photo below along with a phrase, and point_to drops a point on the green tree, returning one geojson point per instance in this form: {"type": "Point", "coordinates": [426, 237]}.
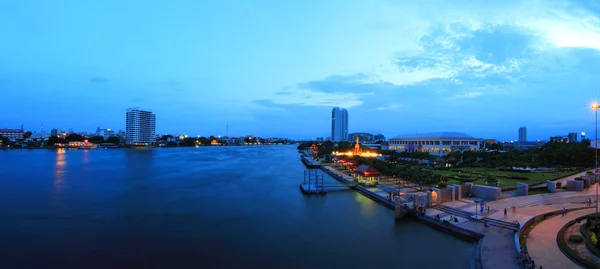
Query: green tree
{"type": "Point", "coordinates": [165, 137]}
{"type": "Point", "coordinates": [189, 142]}
{"type": "Point", "coordinates": [343, 146]}
{"type": "Point", "coordinates": [27, 134]}
{"type": "Point", "coordinates": [55, 140]}
{"type": "Point", "coordinates": [114, 140]}
{"type": "Point", "coordinates": [74, 137]}
{"type": "Point", "coordinates": [96, 139]}
{"type": "Point", "coordinates": [4, 140]}
{"type": "Point", "coordinates": [204, 141]}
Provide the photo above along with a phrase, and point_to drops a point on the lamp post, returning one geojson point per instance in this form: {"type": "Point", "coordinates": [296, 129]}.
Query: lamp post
{"type": "Point", "coordinates": [595, 108]}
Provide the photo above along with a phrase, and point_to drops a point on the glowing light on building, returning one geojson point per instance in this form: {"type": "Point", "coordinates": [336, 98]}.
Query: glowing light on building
{"type": "Point", "coordinates": [357, 151]}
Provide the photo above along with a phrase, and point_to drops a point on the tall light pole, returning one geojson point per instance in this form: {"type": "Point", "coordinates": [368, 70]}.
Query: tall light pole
{"type": "Point", "coordinates": [595, 108]}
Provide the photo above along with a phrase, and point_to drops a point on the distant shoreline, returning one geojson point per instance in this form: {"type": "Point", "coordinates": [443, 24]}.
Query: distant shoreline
{"type": "Point", "coordinates": [133, 147]}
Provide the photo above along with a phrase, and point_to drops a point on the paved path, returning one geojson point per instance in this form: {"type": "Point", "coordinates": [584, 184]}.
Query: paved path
{"type": "Point", "coordinates": [542, 245]}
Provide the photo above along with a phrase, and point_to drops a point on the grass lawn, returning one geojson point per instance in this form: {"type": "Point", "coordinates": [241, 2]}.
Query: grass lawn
{"type": "Point", "coordinates": [534, 177]}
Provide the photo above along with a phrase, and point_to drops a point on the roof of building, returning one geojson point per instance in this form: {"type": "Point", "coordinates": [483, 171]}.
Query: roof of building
{"type": "Point", "coordinates": [436, 135]}
{"type": "Point", "coordinates": [364, 168]}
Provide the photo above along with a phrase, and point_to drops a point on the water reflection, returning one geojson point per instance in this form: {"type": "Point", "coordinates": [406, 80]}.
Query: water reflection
{"type": "Point", "coordinates": [59, 169]}
{"type": "Point", "coordinates": [85, 156]}
{"type": "Point", "coordinates": [367, 206]}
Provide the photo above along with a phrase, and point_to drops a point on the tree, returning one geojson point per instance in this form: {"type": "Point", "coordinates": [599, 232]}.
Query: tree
{"type": "Point", "coordinates": [189, 142]}
{"type": "Point", "coordinates": [114, 140]}
{"type": "Point", "coordinates": [423, 177]}
{"type": "Point", "coordinates": [344, 146]}
{"type": "Point", "coordinates": [96, 139]}
{"type": "Point", "coordinates": [166, 137]}
{"type": "Point", "coordinates": [204, 141]}
{"type": "Point", "coordinates": [27, 134]}
{"type": "Point", "coordinates": [54, 140]}
{"type": "Point", "coordinates": [4, 140]}
{"type": "Point", "coordinates": [74, 137]}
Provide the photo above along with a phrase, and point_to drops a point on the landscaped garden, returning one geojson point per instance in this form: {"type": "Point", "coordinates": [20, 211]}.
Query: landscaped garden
{"type": "Point", "coordinates": [554, 160]}
{"type": "Point", "coordinates": [507, 178]}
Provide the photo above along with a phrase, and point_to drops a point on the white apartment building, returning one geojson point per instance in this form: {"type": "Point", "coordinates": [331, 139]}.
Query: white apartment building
{"type": "Point", "coordinates": [140, 127]}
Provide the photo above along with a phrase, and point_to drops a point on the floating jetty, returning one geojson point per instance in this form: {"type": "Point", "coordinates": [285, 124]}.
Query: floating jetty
{"type": "Point", "coordinates": [314, 183]}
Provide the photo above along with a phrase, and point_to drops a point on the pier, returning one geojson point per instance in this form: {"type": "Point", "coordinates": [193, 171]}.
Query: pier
{"type": "Point", "coordinates": [314, 183]}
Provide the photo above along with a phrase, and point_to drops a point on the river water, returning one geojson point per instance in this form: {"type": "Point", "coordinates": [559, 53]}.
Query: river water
{"type": "Point", "coordinates": [207, 207]}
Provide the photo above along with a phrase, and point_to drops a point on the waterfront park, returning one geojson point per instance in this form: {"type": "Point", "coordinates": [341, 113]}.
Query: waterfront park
{"type": "Point", "coordinates": [534, 208]}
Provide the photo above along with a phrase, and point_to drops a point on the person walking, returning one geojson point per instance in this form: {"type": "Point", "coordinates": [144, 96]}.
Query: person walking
{"type": "Point", "coordinates": [564, 211]}
{"type": "Point", "coordinates": [505, 212]}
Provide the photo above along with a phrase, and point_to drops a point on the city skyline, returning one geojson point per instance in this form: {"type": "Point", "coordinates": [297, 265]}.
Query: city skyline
{"type": "Point", "coordinates": [263, 69]}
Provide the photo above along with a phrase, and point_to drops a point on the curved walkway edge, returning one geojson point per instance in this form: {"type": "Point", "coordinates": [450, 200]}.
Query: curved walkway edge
{"type": "Point", "coordinates": [541, 241]}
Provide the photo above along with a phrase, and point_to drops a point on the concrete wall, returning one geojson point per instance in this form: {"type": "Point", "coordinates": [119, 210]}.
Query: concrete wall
{"type": "Point", "coordinates": [586, 182]}
{"type": "Point", "coordinates": [457, 192]}
{"type": "Point", "coordinates": [551, 186]}
{"type": "Point", "coordinates": [522, 189]}
{"type": "Point", "coordinates": [467, 189]}
{"type": "Point", "coordinates": [574, 185]}
{"type": "Point", "coordinates": [486, 192]}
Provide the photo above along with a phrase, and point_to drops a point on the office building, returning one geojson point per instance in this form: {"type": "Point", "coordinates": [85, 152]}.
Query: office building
{"type": "Point", "coordinates": [140, 127]}
{"type": "Point", "coordinates": [12, 134]}
{"type": "Point", "coordinates": [523, 134]}
{"type": "Point", "coordinates": [435, 143]}
{"type": "Point", "coordinates": [339, 125]}
{"type": "Point", "coordinates": [573, 137]}
{"type": "Point", "coordinates": [582, 136]}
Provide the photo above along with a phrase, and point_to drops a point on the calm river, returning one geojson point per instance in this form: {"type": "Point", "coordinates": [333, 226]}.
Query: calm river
{"type": "Point", "coordinates": [208, 207]}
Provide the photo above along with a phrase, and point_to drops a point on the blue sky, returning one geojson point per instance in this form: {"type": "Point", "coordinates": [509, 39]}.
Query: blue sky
{"type": "Point", "coordinates": [276, 68]}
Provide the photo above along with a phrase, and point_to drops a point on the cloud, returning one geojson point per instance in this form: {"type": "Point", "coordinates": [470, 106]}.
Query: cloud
{"type": "Point", "coordinates": [390, 107]}
{"type": "Point", "coordinates": [98, 80]}
{"type": "Point", "coordinates": [468, 94]}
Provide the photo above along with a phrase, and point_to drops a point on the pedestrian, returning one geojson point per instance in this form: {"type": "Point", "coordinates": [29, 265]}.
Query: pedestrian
{"type": "Point", "coordinates": [505, 212]}
{"type": "Point", "coordinates": [514, 210]}
{"type": "Point", "coordinates": [488, 209]}
{"type": "Point", "coordinates": [481, 209]}
{"type": "Point", "coordinates": [564, 211]}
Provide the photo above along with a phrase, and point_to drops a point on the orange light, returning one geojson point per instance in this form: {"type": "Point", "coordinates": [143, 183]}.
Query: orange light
{"type": "Point", "coordinates": [85, 141]}
{"type": "Point", "coordinates": [595, 106]}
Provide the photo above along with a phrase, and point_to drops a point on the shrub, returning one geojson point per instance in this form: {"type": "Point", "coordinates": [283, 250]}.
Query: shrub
{"type": "Point", "coordinates": [518, 177]}
{"type": "Point", "coordinates": [594, 239]}
{"type": "Point", "coordinates": [575, 239]}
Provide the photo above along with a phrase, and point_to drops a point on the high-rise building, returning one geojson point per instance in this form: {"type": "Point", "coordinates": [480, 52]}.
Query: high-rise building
{"type": "Point", "coordinates": [140, 127]}
{"type": "Point", "coordinates": [573, 137]}
{"type": "Point", "coordinates": [582, 136]}
{"type": "Point", "coordinates": [339, 124]}
{"type": "Point", "coordinates": [523, 134]}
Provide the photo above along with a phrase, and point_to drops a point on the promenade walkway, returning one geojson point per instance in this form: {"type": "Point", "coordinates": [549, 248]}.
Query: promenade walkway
{"type": "Point", "coordinates": [542, 245]}
{"type": "Point", "coordinates": [498, 248]}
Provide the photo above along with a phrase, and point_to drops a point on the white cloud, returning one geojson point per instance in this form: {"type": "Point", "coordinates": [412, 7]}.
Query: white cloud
{"type": "Point", "coordinates": [390, 107]}
{"type": "Point", "coordinates": [469, 94]}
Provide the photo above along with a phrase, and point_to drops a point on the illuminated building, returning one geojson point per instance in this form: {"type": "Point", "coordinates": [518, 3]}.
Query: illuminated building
{"type": "Point", "coordinates": [12, 133]}
{"type": "Point", "coordinates": [441, 143]}
{"type": "Point", "coordinates": [357, 151]}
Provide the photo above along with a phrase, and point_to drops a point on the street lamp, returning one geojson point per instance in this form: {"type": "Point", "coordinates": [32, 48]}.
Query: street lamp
{"type": "Point", "coordinates": [595, 107]}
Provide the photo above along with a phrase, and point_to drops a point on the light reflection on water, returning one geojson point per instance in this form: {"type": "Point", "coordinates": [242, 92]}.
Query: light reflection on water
{"type": "Point", "coordinates": [59, 170]}
{"type": "Point", "coordinates": [367, 206]}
